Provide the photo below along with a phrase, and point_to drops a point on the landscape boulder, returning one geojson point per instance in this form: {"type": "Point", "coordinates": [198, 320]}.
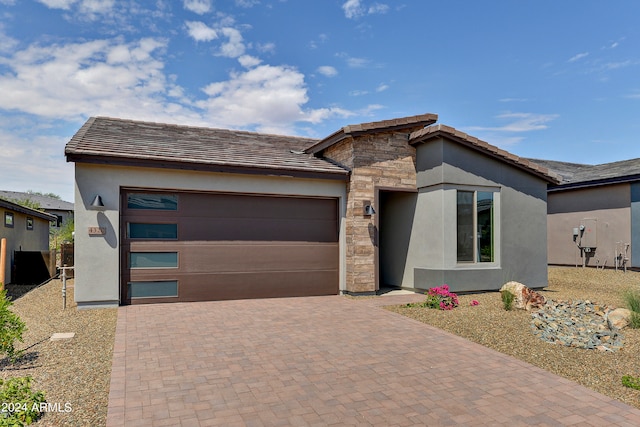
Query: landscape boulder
{"type": "Point", "coordinates": [525, 298]}
{"type": "Point", "coordinates": [618, 318]}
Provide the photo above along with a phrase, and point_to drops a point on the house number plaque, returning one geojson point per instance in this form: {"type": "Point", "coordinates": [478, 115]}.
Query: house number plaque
{"type": "Point", "coordinates": [97, 231]}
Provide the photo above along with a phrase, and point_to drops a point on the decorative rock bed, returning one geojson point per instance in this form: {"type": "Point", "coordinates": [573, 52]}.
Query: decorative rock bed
{"type": "Point", "coordinates": [580, 324]}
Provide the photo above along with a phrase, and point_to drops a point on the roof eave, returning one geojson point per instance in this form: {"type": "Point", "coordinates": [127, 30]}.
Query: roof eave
{"type": "Point", "coordinates": [595, 183]}
{"type": "Point", "coordinates": [206, 167]}
{"type": "Point", "coordinates": [25, 210]}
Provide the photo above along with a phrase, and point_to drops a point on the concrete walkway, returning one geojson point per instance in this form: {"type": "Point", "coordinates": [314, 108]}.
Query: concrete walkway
{"type": "Point", "coordinates": [324, 361]}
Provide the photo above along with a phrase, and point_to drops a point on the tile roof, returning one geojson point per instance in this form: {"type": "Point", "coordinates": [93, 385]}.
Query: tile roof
{"type": "Point", "coordinates": [440, 130]}
{"type": "Point", "coordinates": [45, 202]}
{"type": "Point", "coordinates": [404, 123]}
{"type": "Point", "coordinates": [582, 175]}
{"type": "Point", "coordinates": [118, 141]}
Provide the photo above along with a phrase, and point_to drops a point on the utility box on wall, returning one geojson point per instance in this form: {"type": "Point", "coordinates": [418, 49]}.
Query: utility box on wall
{"type": "Point", "coordinates": [589, 231]}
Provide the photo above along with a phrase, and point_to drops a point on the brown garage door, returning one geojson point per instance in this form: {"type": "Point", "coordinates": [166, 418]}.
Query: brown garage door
{"type": "Point", "coordinates": [200, 246]}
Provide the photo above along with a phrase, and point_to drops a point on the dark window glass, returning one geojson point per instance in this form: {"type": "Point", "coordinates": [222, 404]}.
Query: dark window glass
{"type": "Point", "coordinates": [162, 202]}
{"type": "Point", "coordinates": [153, 259]}
{"type": "Point", "coordinates": [464, 221]}
{"type": "Point", "coordinates": [29, 223]}
{"type": "Point", "coordinates": [484, 212]}
{"type": "Point", "coordinates": [158, 289]}
{"type": "Point", "coordinates": [153, 231]}
{"type": "Point", "coordinates": [8, 219]}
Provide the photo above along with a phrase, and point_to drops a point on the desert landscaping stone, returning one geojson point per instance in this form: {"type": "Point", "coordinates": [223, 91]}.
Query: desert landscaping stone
{"type": "Point", "coordinates": [62, 336]}
{"type": "Point", "coordinates": [525, 298]}
{"type": "Point", "coordinates": [619, 318]}
{"type": "Point", "coordinates": [581, 324]}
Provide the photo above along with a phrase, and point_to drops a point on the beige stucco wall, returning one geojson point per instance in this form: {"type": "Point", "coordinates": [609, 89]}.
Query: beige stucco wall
{"type": "Point", "coordinates": [609, 205]}
{"type": "Point", "coordinates": [97, 257]}
{"type": "Point", "coordinates": [19, 238]}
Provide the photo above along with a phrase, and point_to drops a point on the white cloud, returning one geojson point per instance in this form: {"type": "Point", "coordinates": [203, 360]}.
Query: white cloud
{"type": "Point", "coordinates": [58, 4]}
{"type": "Point", "coordinates": [266, 47]}
{"type": "Point", "coordinates": [246, 3]}
{"type": "Point", "coordinates": [249, 61]}
{"type": "Point", "coordinates": [8, 2]}
{"type": "Point", "coordinates": [96, 7]}
{"type": "Point", "coordinates": [200, 32]}
{"type": "Point", "coordinates": [382, 87]}
{"type": "Point", "coordinates": [327, 71]}
{"type": "Point", "coordinates": [520, 122]}
{"type": "Point", "coordinates": [234, 47]}
{"type": "Point", "coordinates": [197, 6]}
{"type": "Point", "coordinates": [7, 43]}
{"type": "Point", "coordinates": [353, 62]}
{"type": "Point", "coordinates": [354, 9]}
{"type": "Point", "coordinates": [85, 9]}
{"type": "Point", "coordinates": [578, 56]}
{"type": "Point", "coordinates": [616, 65]}
{"type": "Point", "coordinates": [106, 77]}
{"type": "Point", "coordinates": [378, 8]}
{"type": "Point", "coordinates": [268, 98]}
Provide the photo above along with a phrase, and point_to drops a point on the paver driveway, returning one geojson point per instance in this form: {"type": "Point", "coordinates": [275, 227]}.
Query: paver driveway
{"type": "Point", "coordinates": [327, 361]}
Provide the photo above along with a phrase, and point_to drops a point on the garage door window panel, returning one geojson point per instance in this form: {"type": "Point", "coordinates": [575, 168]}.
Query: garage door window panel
{"type": "Point", "coordinates": [136, 230]}
{"type": "Point", "coordinates": [153, 289]}
{"type": "Point", "coordinates": [138, 260]}
{"type": "Point", "coordinates": [159, 202]}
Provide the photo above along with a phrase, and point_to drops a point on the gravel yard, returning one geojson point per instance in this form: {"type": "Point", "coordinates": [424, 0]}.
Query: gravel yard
{"type": "Point", "coordinates": [509, 332]}
{"type": "Point", "coordinates": [75, 371]}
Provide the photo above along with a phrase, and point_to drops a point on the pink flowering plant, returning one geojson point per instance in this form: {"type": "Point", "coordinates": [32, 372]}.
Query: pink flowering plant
{"type": "Point", "coordinates": [474, 302]}
{"type": "Point", "coordinates": [441, 298]}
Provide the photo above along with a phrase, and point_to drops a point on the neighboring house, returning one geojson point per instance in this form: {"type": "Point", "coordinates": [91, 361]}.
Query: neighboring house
{"type": "Point", "coordinates": [170, 213]}
{"type": "Point", "coordinates": [594, 214]}
{"type": "Point", "coordinates": [25, 230]}
{"type": "Point", "coordinates": [62, 210]}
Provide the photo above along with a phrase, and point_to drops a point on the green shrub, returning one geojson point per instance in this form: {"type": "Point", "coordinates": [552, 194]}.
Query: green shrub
{"type": "Point", "coordinates": [634, 320]}
{"type": "Point", "coordinates": [11, 328]}
{"type": "Point", "coordinates": [631, 298]}
{"type": "Point", "coordinates": [20, 406]}
{"type": "Point", "coordinates": [631, 382]}
{"type": "Point", "coordinates": [507, 300]}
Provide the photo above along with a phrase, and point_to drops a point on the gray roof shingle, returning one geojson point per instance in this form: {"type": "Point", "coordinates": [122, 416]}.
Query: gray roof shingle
{"type": "Point", "coordinates": [582, 175]}
{"type": "Point", "coordinates": [45, 202]}
{"type": "Point", "coordinates": [118, 141]}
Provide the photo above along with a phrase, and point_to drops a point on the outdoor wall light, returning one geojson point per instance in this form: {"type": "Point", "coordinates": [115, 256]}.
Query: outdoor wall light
{"type": "Point", "coordinates": [368, 210]}
{"type": "Point", "coordinates": [97, 203]}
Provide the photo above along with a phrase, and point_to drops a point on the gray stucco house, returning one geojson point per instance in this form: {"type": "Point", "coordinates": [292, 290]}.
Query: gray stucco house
{"type": "Point", "coordinates": [168, 213]}
{"type": "Point", "coordinates": [594, 214]}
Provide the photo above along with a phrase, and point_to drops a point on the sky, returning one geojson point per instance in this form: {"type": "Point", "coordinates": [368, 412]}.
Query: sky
{"type": "Point", "coordinates": [543, 79]}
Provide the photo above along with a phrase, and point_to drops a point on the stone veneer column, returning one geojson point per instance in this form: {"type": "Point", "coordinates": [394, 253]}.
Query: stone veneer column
{"type": "Point", "coordinates": [376, 160]}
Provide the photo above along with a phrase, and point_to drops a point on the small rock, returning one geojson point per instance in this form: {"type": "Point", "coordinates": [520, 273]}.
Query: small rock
{"type": "Point", "coordinates": [618, 318]}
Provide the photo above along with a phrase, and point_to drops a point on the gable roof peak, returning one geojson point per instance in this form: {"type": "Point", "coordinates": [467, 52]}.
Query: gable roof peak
{"type": "Point", "coordinates": [408, 123]}
{"type": "Point", "coordinates": [440, 130]}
